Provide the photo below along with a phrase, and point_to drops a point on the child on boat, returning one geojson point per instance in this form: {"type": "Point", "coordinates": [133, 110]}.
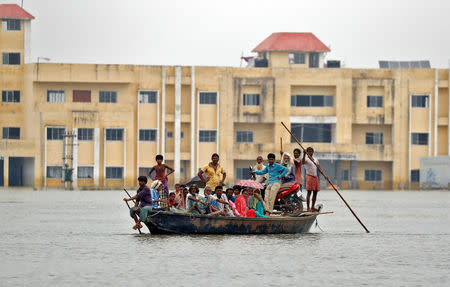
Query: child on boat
{"type": "Point", "coordinates": [160, 173]}
{"type": "Point", "coordinates": [312, 181]}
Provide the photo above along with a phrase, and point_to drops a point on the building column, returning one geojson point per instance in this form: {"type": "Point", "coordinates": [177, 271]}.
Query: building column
{"type": "Point", "coordinates": [75, 159]}
{"type": "Point", "coordinates": [338, 173]}
{"type": "Point", "coordinates": [192, 173]}
{"type": "Point", "coordinates": [177, 128]}
{"type": "Point", "coordinates": [96, 157]}
{"type": "Point", "coordinates": [45, 156]}
{"type": "Point", "coordinates": [124, 156]}
{"type": "Point", "coordinates": [6, 171]}
{"type": "Point", "coordinates": [163, 112]}
{"type": "Point", "coordinates": [354, 174]}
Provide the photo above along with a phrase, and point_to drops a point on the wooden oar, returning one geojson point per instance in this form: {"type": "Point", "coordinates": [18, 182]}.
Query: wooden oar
{"type": "Point", "coordinates": [130, 208]}
{"type": "Point", "coordinates": [326, 177]}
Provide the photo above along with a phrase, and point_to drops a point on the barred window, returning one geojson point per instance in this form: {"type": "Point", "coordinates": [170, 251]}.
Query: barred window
{"type": "Point", "coordinates": [108, 97]}
{"type": "Point", "coordinates": [114, 172]}
{"type": "Point", "coordinates": [11, 25]}
{"type": "Point", "coordinates": [147, 135]}
{"type": "Point", "coordinates": [85, 172]}
{"type": "Point", "coordinates": [208, 98]}
{"type": "Point", "coordinates": [297, 58]}
{"type": "Point", "coordinates": [419, 138]}
{"type": "Point", "coordinates": [85, 134]}
{"type": "Point", "coordinates": [54, 172]}
{"type": "Point", "coordinates": [207, 136]}
{"type": "Point", "coordinates": [374, 138]}
{"type": "Point", "coordinates": [11, 58]}
{"type": "Point", "coordinates": [242, 173]}
{"type": "Point", "coordinates": [415, 175]}
{"type": "Point", "coordinates": [11, 96]}
{"type": "Point", "coordinates": [311, 101]}
{"type": "Point", "coordinates": [114, 134]}
{"type": "Point", "coordinates": [54, 96]}
{"type": "Point", "coordinates": [55, 133]}
{"type": "Point", "coordinates": [148, 97]}
{"type": "Point", "coordinates": [251, 99]}
{"type": "Point", "coordinates": [244, 136]}
{"type": "Point", "coordinates": [319, 133]}
{"type": "Point", "coordinates": [374, 101]}
{"type": "Point", "coordinates": [419, 101]}
{"type": "Point", "coordinates": [345, 175]}
{"type": "Point", "coordinates": [372, 175]}
{"type": "Point", "coordinates": [11, 133]}
{"type": "Point", "coordinates": [143, 171]}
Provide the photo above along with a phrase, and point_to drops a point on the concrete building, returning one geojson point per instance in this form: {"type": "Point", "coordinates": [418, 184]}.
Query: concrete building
{"type": "Point", "coordinates": [369, 127]}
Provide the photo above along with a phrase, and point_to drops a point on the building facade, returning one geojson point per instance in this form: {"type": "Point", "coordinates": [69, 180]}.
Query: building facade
{"type": "Point", "coordinates": [369, 127]}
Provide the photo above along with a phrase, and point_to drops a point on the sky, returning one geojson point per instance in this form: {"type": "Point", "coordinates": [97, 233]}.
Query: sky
{"type": "Point", "coordinates": [217, 33]}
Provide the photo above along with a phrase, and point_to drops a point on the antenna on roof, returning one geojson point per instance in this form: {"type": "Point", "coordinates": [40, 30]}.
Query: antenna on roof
{"type": "Point", "coordinates": [242, 57]}
{"type": "Point", "coordinates": [21, 5]}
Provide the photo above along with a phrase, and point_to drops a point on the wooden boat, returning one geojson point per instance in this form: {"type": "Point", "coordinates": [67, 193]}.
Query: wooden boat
{"type": "Point", "coordinates": [184, 223]}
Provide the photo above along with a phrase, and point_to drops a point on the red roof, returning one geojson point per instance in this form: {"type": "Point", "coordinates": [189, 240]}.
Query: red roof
{"type": "Point", "coordinates": [291, 42]}
{"type": "Point", "coordinates": [13, 11]}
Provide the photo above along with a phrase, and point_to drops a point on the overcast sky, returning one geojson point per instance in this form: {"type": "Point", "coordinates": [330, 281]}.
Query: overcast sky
{"type": "Point", "coordinates": [216, 33]}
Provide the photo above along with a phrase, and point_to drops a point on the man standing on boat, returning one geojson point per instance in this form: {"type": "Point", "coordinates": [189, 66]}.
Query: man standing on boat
{"type": "Point", "coordinates": [276, 172]}
{"type": "Point", "coordinates": [215, 174]}
{"type": "Point", "coordinates": [312, 181]}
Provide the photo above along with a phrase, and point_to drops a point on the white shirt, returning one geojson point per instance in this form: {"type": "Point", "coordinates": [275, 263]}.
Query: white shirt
{"type": "Point", "coordinates": [309, 166]}
{"type": "Point", "coordinates": [260, 178]}
{"type": "Point", "coordinates": [223, 198]}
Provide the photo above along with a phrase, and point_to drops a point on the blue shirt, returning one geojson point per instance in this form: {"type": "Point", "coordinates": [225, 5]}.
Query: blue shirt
{"type": "Point", "coordinates": [276, 172]}
{"type": "Point", "coordinates": [155, 195]}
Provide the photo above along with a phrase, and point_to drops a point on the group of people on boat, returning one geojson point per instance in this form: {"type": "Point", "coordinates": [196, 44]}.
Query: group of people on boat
{"type": "Point", "coordinates": [241, 201]}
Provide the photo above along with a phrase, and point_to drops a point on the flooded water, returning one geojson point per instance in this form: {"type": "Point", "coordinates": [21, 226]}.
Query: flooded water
{"type": "Point", "coordinates": [75, 238]}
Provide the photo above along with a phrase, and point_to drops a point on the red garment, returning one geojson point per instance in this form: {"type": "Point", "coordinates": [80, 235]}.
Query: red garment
{"type": "Point", "coordinates": [251, 213]}
{"type": "Point", "coordinates": [298, 171]}
{"type": "Point", "coordinates": [241, 205]}
{"type": "Point", "coordinates": [312, 183]}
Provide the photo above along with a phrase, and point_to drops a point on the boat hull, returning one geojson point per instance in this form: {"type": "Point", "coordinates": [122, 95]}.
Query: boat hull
{"type": "Point", "coordinates": [182, 223]}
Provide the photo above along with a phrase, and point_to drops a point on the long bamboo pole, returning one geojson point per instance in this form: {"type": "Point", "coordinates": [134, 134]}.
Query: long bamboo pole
{"type": "Point", "coordinates": [140, 232]}
{"type": "Point", "coordinates": [326, 177]}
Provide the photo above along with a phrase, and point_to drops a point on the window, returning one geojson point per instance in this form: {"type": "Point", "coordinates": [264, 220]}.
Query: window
{"type": "Point", "coordinates": [419, 101]}
{"type": "Point", "coordinates": [415, 175]}
{"type": "Point", "coordinates": [11, 133]}
{"type": "Point", "coordinates": [169, 134]}
{"type": "Point", "coordinates": [345, 175]}
{"type": "Point", "coordinates": [11, 58]}
{"type": "Point", "coordinates": [244, 136]}
{"type": "Point", "coordinates": [114, 134]}
{"type": "Point", "coordinates": [55, 133]}
{"type": "Point", "coordinates": [54, 96]}
{"type": "Point", "coordinates": [207, 136]}
{"type": "Point", "coordinates": [148, 97]}
{"type": "Point", "coordinates": [85, 172]}
{"type": "Point", "coordinates": [251, 99]}
{"type": "Point", "coordinates": [181, 134]}
{"type": "Point", "coordinates": [242, 173]}
{"type": "Point", "coordinates": [11, 96]}
{"type": "Point", "coordinates": [311, 101]}
{"type": "Point", "coordinates": [208, 98]}
{"type": "Point", "coordinates": [54, 172]}
{"type": "Point", "coordinates": [114, 172]}
{"type": "Point", "coordinates": [108, 97]}
{"type": "Point", "coordinates": [320, 133]}
{"type": "Point", "coordinates": [143, 171]}
{"type": "Point", "coordinates": [374, 138]}
{"type": "Point", "coordinates": [147, 135]}
{"type": "Point", "coordinates": [11, 25]}
{"type": "Point", "coordinates": [372, 175]}
{"type": "Point", "coordinates": [374, 101]}
{"type": "Point", "coordinates": [81, 96]}
{"type": "Point", "coordinates": [85, 134]}
{"type": "Point", "coordinates": [313, 60]}
{"type": "Point", "coordinates": [297, 58]}
{"type": "Point", "coordinates": [419, 138]}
